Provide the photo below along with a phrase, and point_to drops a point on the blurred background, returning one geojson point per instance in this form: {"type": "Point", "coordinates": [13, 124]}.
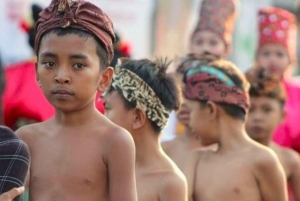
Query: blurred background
{"type": "Point", "coordinates": [149, 27]}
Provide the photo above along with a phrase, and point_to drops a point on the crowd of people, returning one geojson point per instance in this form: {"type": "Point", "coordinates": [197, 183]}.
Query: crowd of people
{"type": "Point", "coordinates": [83, 121]}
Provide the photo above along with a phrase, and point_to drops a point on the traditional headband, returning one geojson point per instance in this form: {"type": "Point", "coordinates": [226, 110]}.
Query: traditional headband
{"type": "Point", "coordinates": [209, 83]}
{"type": "Point", "coordinates": [137, 91]}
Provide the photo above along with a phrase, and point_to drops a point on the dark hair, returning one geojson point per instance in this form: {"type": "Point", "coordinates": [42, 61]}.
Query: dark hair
{"type": "Point", "coordinates": [83, 34]}
{"type": "Point", "coordinates": [164, 85]}
{"type": "Point", "coordinates": [35, 10]}
{"type": "Point", "coordinates": [265, 84]}
{"type": "Point", "coordinates": [236, 76]}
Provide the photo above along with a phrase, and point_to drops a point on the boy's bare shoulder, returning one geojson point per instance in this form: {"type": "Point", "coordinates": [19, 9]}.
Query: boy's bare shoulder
{"type": "Point", "coordinates": [289, 155]}
{"type": "Point", "coordinates": [263, 158]}
{"type": "Point", "coordinates": [171, 183]}
{"type": "Point", "coordinates": [114, 133]}
{"type": "Point", "coordinates": [29, 132]}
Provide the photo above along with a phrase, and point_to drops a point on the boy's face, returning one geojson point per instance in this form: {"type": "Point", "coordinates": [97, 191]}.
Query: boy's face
{"type": "Point", "coordinates": [274, 58]}
{"type": "Point", "coordinates": [200, 123]}
{"type": "Point", "coordinates": [264, 116]}
{"type": "Point", "coordinates": [116, 111]}
{"type": "Point", "coordinates": [204, 42]}
{"type": "Point", "coordinates": [68, 71]}
{"type": "Point", "coordinates": [183, 114]}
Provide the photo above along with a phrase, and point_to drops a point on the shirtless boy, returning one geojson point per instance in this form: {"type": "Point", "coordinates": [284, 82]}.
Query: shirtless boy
{"type": "Point", "coordinates": [267, 97]}
{"type": "Point", "coordinates": [140, 100]}
{"type": "Point", "coordinates": [78, 154]}
{"type": "Point", "coordinates": [180, 148]}
{"type": "Point", "coordinates": [240, 169]}
{"type": "Point", "coordinates": [212, 36]}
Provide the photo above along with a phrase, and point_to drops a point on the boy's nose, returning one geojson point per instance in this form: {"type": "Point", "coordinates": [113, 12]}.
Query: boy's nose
{"type": "Point", "coordinates": [62, 77]}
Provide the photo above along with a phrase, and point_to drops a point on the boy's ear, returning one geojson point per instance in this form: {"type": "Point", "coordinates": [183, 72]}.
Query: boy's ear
{"type": "Point", "coordinates": [139, 118]}
{"type": "Point", "coordinates": [106, 77]}
{"type": "Point", "coordinates": [212, 110]}
{"type": "Point", "coordinates": [37, 75]}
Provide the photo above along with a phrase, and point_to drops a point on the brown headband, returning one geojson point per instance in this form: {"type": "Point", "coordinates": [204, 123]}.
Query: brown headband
{"type": "Point", "coordinates": [80, 15]}
{"type": "Point", "coordinates": [206, 83]}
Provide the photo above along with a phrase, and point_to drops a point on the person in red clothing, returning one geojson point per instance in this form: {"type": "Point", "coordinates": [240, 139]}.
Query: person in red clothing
{"type": "Point", "coordinates": [277, 53]}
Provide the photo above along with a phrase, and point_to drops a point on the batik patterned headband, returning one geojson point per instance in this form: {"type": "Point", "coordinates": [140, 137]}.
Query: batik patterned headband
{"type": "Point", "coordinates": [208, 83]}
{"type": "Point", "coordinates": [137, 91]}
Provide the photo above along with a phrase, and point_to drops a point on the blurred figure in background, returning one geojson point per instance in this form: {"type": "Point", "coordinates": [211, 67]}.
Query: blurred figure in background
{"type": "Point", "coordinates": [212, 37]}
{"type": "Point", "coordinates": [276, 53]}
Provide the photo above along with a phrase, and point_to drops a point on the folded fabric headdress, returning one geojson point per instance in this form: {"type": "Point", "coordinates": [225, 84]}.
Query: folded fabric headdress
{"type": "Point", "coordinates": [278, 26]}
{"type": "Point", "coordinates": [219, 17]}
{"type": "Point", "coordinates": [204, 83]}
{"type": "Point", "coordinates": [81, 15]}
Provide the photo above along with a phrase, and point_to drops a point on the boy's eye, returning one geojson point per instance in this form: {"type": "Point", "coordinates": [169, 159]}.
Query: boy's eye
{"type": "Point", "coordinates": [199, 42]}
{"type": "Point", "coordinates": [213, 43]}
{"type": "Point", "coordinates": [79, 66]}
{"type": "Point", "coordinates": [267, 109]}
{"type": "Point", "coordinates": [48, 64]}
{"type": "Point", "coordinates": [280, 54]}
{"type": "Point", "coordinates": [266, 53]}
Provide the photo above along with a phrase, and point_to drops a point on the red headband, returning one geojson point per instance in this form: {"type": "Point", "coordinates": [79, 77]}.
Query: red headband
{"type": "Point", "coordinates": [205, 86]}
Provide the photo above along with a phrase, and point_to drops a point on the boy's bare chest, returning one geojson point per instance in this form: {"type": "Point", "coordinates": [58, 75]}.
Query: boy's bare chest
{"type": "Point", "coordinates": [69, 164]}
{"type": "Point", "coordinates": [225, 179]}
{"type": "Point", "coordinates": [148, 186]}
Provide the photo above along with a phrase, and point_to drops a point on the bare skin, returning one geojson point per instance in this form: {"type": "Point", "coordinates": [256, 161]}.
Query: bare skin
{"type": "Point", "coordinates": [241, 169]}
{"type": "Point", "coordinates": [265, 114]}
{"type": "Point", "coordinates": [10, 195]}
{"type": "Point", "coordinates": [78, 154]}
{"type": "Point", "coordinates": [157, 177]}
{"type": "Point", "coordinates": [179, 148]}
{"type": "Point", "coordinates": [291, 164]}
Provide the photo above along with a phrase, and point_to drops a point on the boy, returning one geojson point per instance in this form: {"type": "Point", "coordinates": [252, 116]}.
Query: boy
{"type": "Point", "coordinates": [14, 161]}
{"type": "Point", "coordinates": [140, 100]}
{"type": "Point", "coordinates": [212, 36]}
{"type": "Point", "coordinates": [180, 148]}
{"type": "Point", "coordinates": [214, 29]}
{"type": "Point", "coordinates": [267, 97]}
{"type": "Point", "coordinates": [241, 169]}
{"type": "Point", "coordinates": [276, 52]}
{"type": "Point", "coordinates": [78, 154]}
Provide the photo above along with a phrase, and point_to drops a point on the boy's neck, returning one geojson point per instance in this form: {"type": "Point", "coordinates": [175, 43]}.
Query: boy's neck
{"type": "Point", "coordinates": [266, 142]}
{"type": "Point", "coordinates": [232, 135]}
{"type": "Point", "coordinates": [148, 148]}
{"type": "Point", "coordinates": [76, 118]}
{"type": "Point", "coordinates": [189, 138]}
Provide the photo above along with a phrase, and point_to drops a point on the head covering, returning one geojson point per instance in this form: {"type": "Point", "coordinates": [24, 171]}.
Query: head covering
{"type": "Point", "coordinates": [266, 84]}
{"type": "Point", "coordinates": [136, 91]}
{"type": "Point", "coordinates": [81, 15]}
{"type": "Point", "coordinates": [278, 26]}
{"type": "Point", "coordinates": [208, 83]}
{"type": "Point", "coordinates": [14, 161]}
{"type": "Point", "coordinates": [217, 16]}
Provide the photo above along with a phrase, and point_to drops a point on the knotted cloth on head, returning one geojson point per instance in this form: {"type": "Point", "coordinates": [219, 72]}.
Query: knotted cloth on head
{"type": "Point", "coordinates": [80, 15]}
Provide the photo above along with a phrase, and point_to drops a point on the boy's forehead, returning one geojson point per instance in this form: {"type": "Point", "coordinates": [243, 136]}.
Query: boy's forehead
{"type": "Point", "coordinates": [76, 45]}
{"type": "Point", "coordinates": [263, 100]}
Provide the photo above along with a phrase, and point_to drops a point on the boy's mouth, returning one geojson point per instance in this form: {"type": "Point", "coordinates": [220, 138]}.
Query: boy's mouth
{"type": "Point", "coordinates": [62, 92]}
